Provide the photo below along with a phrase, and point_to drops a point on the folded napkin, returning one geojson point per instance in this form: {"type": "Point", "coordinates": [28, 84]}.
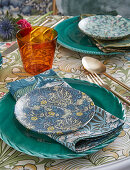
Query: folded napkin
{"type": "Point", "coordinates": [102, 127]}
{"type": "Point", "coordinates": [121, 45]}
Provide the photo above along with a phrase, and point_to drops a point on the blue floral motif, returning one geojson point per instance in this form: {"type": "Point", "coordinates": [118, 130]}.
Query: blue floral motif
{"type": "Point", "coordinates": [49, 110]}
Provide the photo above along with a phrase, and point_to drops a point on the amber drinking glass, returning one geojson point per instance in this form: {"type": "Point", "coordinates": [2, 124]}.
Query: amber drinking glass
{"type": "Point", "coordinates": [37, 48]}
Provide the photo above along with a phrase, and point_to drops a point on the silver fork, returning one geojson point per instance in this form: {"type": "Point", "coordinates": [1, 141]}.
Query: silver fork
{"type": "Point", "coordinates": [94, 78]}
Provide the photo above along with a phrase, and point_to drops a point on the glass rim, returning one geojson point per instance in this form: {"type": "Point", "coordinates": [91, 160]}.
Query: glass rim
{"type": "Point", "coordinates": [26, 42]}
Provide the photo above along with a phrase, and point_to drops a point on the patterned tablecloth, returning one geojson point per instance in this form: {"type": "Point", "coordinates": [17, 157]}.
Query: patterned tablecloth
{"type": "Point", "coordinates": [67, 64]}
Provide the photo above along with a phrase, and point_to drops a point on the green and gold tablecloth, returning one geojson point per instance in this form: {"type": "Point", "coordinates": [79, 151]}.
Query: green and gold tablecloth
{"type": "Point", "coordinates": [67, 64]}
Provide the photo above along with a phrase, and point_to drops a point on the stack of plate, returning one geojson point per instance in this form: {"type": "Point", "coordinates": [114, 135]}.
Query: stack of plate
{"type": "Point", "coordinates": [87, 34]}
{"type": "Point", "coordinates": [109, 33]}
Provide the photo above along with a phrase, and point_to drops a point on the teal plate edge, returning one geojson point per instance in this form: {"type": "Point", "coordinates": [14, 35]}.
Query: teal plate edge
{"type": "Point", "coordinates": [74, 48]}
{"type": "Point", "coordinates": [66, 154]}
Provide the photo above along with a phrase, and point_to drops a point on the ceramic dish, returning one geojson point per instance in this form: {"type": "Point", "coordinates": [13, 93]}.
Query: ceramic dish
{"type": "Point", "coordinates": [70, 36]}
{"type": "Point", "coordinates": [106, 27]}
{"type": "Point", "coordinates": [54, 110]}
{"type": "Point", "coordinates": [48, 148]}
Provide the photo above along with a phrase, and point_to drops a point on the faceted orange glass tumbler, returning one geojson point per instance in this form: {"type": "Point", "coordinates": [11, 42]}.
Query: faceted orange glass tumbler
{"type": "Point", "coordinates": [37, 48]}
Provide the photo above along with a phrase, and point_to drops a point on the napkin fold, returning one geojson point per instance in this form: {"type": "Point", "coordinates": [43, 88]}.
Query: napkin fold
{"type": "Point", "coordinates": [121, 45]}
{"type": "Point", "coordinates": [101, 128]}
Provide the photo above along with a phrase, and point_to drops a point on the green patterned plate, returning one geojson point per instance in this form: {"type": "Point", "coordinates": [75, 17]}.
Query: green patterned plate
{"type": "Point", "coordinates": [106, 27]}
{"type": "Point", "coordinates": [46, 147]}
{"type": "Point", "coordinates": [70, 36]}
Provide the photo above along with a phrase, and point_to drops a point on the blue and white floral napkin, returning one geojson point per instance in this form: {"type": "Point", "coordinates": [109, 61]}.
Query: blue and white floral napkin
{"type": "Point", "coordinates": [46, 79]}
{"type": "Point", "coordinates": [101, 128]}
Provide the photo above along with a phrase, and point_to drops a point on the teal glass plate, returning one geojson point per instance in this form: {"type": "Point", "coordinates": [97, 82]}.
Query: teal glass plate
{"type": "Point", "coordinates": [11, 134]}
{"type": "Point", "coordinates": [70, 36]}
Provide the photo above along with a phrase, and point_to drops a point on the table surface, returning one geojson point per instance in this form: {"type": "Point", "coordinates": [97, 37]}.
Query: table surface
{"type": "Point", "coordinates": [67, 64]}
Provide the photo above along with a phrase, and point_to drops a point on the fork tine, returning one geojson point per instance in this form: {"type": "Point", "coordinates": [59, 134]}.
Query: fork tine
{"type": "Point", "coordinates": [89, 79]}
{"type": "Point", "coordinates": [92, 78]}
{"type": "Point", "coordinates": [97, 80]}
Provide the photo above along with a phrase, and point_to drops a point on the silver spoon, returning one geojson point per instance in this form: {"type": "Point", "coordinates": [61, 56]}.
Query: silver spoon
{"type": "Point", "coordinates": [94, 65]}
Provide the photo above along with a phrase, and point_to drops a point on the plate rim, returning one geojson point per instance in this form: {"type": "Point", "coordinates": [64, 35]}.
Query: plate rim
{"type": "Point", "coordinates": [77, 49]}
{"type": "Point", "coordinates": [71, 154]}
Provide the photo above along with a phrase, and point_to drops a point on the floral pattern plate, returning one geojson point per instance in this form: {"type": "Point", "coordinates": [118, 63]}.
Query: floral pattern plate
{"type": "Point", "coordinates": [54, 110]}
{"type": "Point", "coordinates": [105, 27]}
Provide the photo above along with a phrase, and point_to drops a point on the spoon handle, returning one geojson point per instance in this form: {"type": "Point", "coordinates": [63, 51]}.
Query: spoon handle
{"type": "Point", "coordinates": [117, 81]}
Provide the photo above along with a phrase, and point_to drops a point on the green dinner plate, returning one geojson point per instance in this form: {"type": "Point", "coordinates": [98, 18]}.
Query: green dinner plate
{"type": "Point", "coordinates": [70, 36]}
{"type": "Point", "coordinates": [11, 134]}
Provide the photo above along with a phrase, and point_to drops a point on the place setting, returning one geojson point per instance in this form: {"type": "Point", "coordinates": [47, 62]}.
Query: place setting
{"type": "Point", "coordinates": [96, 34]}
{"type": "Point", "coordinates": [57, 118]}
{"type": "Point", "coordinates": [44, 113]}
